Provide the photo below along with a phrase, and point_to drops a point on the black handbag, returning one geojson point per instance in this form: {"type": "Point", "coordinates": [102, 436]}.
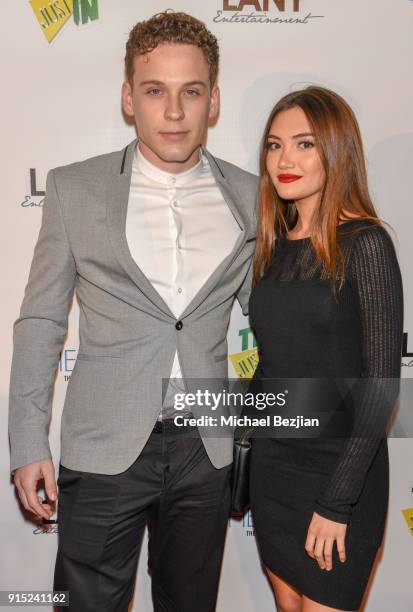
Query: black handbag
{"type": "Point", "coordinates": [240, 473]}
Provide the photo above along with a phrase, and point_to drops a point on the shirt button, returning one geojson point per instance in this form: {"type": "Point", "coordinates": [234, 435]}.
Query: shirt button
{"type": "Point", "coordinates": [171, 180]}
{"type": "Point", "coordinates": [179, 325]}
{"type": "Point", "coordinates": [180, 290]}
{"type": "Point", "coordinates": [175, 203]}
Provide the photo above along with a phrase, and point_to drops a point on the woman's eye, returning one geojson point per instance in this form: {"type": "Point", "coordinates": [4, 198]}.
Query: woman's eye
{"type": "Point", "coordinates": [271, 146]}
{"type": "Point", "coordinates": [307, 144]}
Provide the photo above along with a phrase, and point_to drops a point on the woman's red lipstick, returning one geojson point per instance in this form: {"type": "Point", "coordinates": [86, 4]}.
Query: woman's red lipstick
{"type": "Point", "coordinates": [288, 178]}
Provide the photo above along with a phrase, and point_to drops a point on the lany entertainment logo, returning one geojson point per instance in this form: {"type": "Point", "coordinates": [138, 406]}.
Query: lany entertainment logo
{"type": "Point", "coordinates": [263, 11]}
{"type": "Point", "coordinates": [263, 5]}
{"type": "Point", "coordinates": [53, 14]}
{"type": "Point", "coordinates": [408, 363]}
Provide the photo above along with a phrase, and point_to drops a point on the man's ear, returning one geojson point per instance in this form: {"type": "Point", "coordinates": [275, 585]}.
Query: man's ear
{"type": "Point", "coordinates": [127, 99]}
{"type": "Point", "coordinates": [215, 102]}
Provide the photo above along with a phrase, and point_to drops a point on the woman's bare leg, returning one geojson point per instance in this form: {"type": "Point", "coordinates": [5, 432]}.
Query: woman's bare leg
{"type": "Point", "coordinates": [287, 597]}
{"type": "Point", "coordinates": [312, 606]}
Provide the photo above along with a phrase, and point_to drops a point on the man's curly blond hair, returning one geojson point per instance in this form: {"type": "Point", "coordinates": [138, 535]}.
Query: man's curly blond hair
{"type": "Point", "coordinates": [171, 27]}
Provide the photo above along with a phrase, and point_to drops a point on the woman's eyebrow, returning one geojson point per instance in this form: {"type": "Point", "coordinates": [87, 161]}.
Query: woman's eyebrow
{"type": "Point", "coordinates": [296, 135]}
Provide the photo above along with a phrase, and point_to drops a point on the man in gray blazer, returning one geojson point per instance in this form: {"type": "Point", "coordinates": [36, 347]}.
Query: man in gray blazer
{"type": "Point", "coordinates": [157, 241]}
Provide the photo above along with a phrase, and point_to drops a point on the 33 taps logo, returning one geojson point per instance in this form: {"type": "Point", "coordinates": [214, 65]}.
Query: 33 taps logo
{"type": "Point", "coordinates": [53, 14]}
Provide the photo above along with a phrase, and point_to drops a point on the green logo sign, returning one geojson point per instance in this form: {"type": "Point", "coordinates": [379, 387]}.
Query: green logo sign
{"type": "Point", "coordinates": [85, 10]}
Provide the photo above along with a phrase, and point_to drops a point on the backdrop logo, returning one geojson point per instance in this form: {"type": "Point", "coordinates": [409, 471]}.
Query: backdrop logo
{"type": "Point", "coordinates": [408, 362]}
{"type": "Point", "coordinates": [45, 530]}
{"type": "Point", "coordinates": [53, 14]}
{"type": "Point", "coordinates": [228, 5]}
{"type": "Point", "coordinates": [66, 362]}
{"type": "Point", "coordinates": [263, 11]}
{"type": "Point", "coordinates": [245, 362]}
{"type": "Point", "coordinates": [85, 10]}
{"type": "Point", "coordinates": [30, 200]}
{"type": "Point", "coordinates": [248, 524]}
{"type": "Point", "coordinates": [408, 517]}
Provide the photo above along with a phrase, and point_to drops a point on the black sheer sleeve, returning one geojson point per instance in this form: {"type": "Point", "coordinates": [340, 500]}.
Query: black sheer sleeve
{"type": "Point", "coordinates": [374, 275]}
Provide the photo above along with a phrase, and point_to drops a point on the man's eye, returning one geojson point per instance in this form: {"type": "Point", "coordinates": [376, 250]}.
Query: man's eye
{"type": "Point", "coordinates": [192, 92]}
{"type": "Point", "coordinates": [155, 91]}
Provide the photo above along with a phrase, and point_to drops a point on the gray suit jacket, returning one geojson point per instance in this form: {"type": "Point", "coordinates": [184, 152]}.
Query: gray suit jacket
{"type": "Point", "coordinates": [128, 335]}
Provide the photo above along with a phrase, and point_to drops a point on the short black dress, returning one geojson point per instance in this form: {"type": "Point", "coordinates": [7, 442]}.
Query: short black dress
{"type": "Point", "coordinates": [302, 331]}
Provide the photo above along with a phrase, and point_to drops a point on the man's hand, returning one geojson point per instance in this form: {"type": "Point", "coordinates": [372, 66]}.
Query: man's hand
{"type": "Point", "coordinates": [322, 533]}
{"type": "Point", "coordinates": [26, 479]}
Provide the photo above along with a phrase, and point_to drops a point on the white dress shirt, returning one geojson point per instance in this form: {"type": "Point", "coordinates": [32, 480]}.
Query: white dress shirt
{"type": "Point", "coordinates": [179, 229]}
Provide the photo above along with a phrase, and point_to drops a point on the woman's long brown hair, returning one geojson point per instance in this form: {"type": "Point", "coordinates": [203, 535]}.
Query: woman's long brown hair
{"type": "Point", "coordinates": [339, 143]}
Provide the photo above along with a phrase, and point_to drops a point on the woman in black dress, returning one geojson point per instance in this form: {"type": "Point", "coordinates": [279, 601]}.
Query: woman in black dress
{"type": "Point", "coordinates": [319, 504]}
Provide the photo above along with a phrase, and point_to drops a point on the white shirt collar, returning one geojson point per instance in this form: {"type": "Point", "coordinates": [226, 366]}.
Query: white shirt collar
{"type": "Point", "coordinates": [167, 178]}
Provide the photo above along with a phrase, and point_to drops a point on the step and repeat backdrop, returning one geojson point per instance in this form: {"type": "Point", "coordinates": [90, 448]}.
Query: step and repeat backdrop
{"type": "Point", "coordinates": [62, 69]}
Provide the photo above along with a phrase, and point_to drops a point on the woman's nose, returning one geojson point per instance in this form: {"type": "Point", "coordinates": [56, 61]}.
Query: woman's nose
{"type": "Point", "coordinates": [286, 159]}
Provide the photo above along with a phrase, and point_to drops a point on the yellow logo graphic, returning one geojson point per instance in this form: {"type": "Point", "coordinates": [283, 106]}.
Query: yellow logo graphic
{"type": "Point", "coordinates": [52, 15]}
{"type": "Point", "coordinates": [245, 362]}
{"type": "Point", "coordinates": [408, 515]}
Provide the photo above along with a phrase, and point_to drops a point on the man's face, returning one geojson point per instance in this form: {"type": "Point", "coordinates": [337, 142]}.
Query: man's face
{"type": "Point", "coordinates": [172, 103]}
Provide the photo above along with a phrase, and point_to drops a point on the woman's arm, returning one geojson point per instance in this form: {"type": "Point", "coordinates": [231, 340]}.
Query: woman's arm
{"type": "Point", "coordinates": [376, 280]}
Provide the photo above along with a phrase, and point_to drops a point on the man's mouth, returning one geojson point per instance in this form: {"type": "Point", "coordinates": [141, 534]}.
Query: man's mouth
{"type": "Point", "coordinates": [174, 136]}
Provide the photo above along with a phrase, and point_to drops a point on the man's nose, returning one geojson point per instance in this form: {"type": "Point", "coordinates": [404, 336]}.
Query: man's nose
{"type": "Point", "coordinates": [174, 110]}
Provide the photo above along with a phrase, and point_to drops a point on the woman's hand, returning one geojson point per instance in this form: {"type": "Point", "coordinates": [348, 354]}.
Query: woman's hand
{"type": "Point", "coordinates": [321, 535]}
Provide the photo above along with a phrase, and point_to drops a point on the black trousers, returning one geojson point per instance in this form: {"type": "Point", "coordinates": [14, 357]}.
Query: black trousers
{"type": "Point", "coordinates": [173, 488]}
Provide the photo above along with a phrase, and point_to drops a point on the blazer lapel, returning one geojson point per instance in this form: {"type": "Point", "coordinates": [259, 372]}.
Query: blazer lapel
{"type": "Point", "coordinates": [228, 190]}
{"type": "Point", "coordinates": [117, 197]}
{"type": "Point", "coordinates": [234, 202]}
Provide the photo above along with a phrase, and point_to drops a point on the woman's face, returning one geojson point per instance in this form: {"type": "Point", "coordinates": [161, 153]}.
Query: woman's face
{"type": "Point", "coordinates": [293, 161]}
